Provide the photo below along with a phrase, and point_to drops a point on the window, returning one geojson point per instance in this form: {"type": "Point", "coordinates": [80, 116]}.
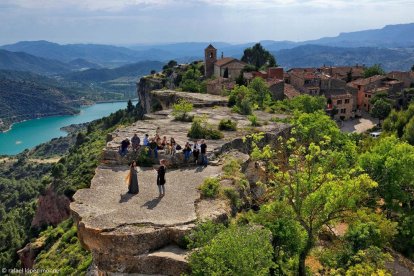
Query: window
{"type": "Point", "coordinates": [365, 105]}
{"type": "Point", "coordinates": [347, 101]}
{"type": "Point", "coordinates": [366, 95]}
{"type": "Point", "coordinates": [369, 96]}
{"type": "Point", "coordinates": [343, 110]}
{"type": "Point", "coordinates": [339, 102]}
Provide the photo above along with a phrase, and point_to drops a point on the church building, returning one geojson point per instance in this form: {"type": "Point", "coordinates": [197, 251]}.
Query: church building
{"type": "Point", "coordinates": [226, 67]}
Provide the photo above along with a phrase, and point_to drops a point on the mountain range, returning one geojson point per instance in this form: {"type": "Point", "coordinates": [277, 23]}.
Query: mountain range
{"type": "Point", "coordinates": [391, 46]}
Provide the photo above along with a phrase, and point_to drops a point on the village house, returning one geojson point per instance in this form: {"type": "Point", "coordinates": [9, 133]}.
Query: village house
{"type": "Point", "coordinates": [406, 77]}
{"type": "Point", "coordinates": [368, 87]}
{"type": "Point", "coordinates": [274, 80]}
{"type": "Point", "coordinates": [340, 104]}
{"type": "Point", "coordinates": [345, 73]}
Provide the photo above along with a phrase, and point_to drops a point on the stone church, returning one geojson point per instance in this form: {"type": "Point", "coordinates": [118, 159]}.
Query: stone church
{"type": "Point", "coordinates": [226, 67]}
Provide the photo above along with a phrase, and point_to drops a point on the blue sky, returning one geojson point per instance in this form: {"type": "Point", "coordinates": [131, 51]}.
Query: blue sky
{"type": "Point", "coordinates": [159, 21]}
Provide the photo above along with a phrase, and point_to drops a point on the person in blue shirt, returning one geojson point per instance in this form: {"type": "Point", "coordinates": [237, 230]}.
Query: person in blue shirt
{"type": "Point", "coordinates": [146, 140]}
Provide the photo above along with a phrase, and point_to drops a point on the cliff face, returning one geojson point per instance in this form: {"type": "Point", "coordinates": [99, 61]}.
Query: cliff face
{"type": "Point", "coordinates": [51, 209]}
{"type": "Point", "coordinates": [144, 87]}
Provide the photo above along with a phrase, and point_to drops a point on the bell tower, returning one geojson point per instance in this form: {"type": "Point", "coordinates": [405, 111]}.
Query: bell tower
{"type": "Point", "coordinates": [210, 57]}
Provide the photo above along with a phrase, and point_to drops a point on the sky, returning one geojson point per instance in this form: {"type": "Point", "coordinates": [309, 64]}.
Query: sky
{"type": "Point", "coordinates": [126, 22]}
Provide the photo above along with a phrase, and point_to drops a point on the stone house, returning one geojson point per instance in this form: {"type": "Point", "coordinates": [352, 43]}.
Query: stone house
{"type": "Point", "coordinates": [406, 77]}
{"type": "Point", "coordinates": [306, 80]}
{"type": "Point", "coordinates": [368, 87]}
{"type": "Point", "coordinates": [340, 104]}
{"type": "Point", "coordinates": [345, 73]}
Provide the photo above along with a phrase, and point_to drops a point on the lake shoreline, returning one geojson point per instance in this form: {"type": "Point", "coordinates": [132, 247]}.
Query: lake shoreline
{"type": "Point", "coordinates": [30, 133]}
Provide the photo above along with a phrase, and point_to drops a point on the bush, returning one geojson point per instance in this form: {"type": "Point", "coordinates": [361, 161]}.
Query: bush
{"type": "Point", "coordinates": [203, 233]}
{"type": "Point", "coordinates": [233, 196]}
{"type": "Point", "coordinates": [242, 250]}
{"type": "Point", "coordinates": [181, 110]}
{"type": "Point", "coordinates": [253, 120]}
{"type": "Point", "coordinates": [227, 125]}
{"type": "Point", "coordinates": [200, 129]}
{"type": "Point", "coordinates": [210, 188]}
{"type": "Point", "coordinates": [143, 159]}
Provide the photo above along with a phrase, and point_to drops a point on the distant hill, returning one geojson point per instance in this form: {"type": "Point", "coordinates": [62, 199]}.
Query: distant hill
{"type": "Point", "coordinates": [316, 55]}
{"type": "Point", "coordinates": [100, 54]}
{"type": "Point", "coordinates": [134, 70]}
{"type": "Point", "coordinates": [401, 35]}
{"type": "Point", "coordinates": [25, 96]}
{"type": "Point", "coordinates": [25, 62]}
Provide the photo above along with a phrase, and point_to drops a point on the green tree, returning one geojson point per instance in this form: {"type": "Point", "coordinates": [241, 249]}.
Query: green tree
{"type": "Point", "coordinates": [130, 106]}
{"type": "Point", "coordinates": [241, 250]}
{"type": "Point", "coordinates": [381, 109]}
{"type": "Point", "coordinates": [258, 57]}
{"type": "Point", "coordinates": [390, 163]}
{"type": "Point", "coordinates": [375, 69]}
{"type": "Point", "coordinates": [181, 110]}
{"type": "Point", "coordinates": [170, 64]}
{"type": "Point", "coordinates": [412, 68]}
{"type": "Point", "coordinates": [409, 132]}
{"type": "Point", "coordinates": [261, 94]}
{"type": "Point", "coordinates": [320, 186]}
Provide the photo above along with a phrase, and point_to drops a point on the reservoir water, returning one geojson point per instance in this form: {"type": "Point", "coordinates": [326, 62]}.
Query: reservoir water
{"type": "Point", "coordinates": [28, 134]}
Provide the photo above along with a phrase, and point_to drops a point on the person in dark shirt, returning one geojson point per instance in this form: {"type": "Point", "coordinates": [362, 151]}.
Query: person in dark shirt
{"type": "Point", "coordinates": [161, 177]}
{"type": "Point", "coordinates": [123, 149]}
{"type": "Point", "coordinates": [153, 148]}
{"type": "Point", "coordinates": [187, 151]}
{"type": "Point", "coordinates": [135, 142]}
{"type": "Point", "coordinates": [203, 151]}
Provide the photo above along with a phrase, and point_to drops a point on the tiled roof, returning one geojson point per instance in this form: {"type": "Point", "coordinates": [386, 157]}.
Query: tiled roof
{"type": "Point", "coordinates": [290, 92]}
{"type": "Point", "coordinates": [368, 80]}
{"type": "Point", "coordinates": [224, 61]}
{"type": "Point", "coordinates": [210, 47]}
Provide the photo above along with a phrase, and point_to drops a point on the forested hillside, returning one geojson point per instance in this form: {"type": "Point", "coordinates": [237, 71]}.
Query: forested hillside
{"type": "Point", "coordinates": [22, 181]}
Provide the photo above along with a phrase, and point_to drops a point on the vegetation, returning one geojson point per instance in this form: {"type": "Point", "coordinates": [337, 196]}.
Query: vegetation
{"type": "Point", "coordinates": [302, 103]}
{"type": "Point", "coordinates": [375, 69]}
{"type": "Point", "coordinates": [21, 183]}
{"type": "Point", "coordinates": [401, 123]}
{"type": "Point", "coordinates": [191, 80]}
{"type": "Point", "coordinates": [201, 129]}
{"type": "Point", "coordinates": [381, 109]}
{"type": "Point", "coordinates": [227, 124]}
{"type": "Point", "coordinates": [258, 57]}
{"type": "Point", "coordinates": [256, 95]}
{"type": "Point", "coordinates": [210, 187]}
{"type": "Point", "coordinates": [181, 110]}
{"type": "Point", "coordinates": [254, 121]}
{"type": "Point", "coordinates": [242, 250]}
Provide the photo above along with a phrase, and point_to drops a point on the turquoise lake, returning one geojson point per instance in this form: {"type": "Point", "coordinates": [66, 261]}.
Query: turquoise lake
{"type": "Point", "coordinates": [28, 134]}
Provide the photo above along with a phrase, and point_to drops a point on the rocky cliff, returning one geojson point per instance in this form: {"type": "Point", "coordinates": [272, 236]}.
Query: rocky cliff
{"type": "Point", "coordinates": [143, 233]}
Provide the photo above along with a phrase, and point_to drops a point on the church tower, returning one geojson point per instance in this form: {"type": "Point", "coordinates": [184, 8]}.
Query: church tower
{"type": "Point", "coordinates": [210, 57]}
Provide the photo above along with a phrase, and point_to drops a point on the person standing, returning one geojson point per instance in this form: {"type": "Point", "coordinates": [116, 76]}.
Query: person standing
{"type": "Point", "coordinates": [203, 151]}
{"type": "Point", "coordinates": [196, 151]}
{"type": "Point", "coordinates": [146, 140]}
{"type": "Point", "coordinates": [132, 179]}
{"type": "Point", "coordinates": [187, 151]}
{"type": "Point", "coordinates": [161, 177]}
{"type": "Point", "coordinates": [153, 148]}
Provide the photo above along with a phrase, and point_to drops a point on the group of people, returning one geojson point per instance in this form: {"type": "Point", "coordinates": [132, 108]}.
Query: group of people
{"type": "Point", "coordinates": [170, 147]}
{"type": "Point", "coordinates": [132, 178]}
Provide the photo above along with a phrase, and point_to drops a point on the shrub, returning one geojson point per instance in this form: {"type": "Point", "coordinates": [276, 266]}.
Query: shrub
{"type": "Point", "coordinates": [233, 196]}
{"type": "Point", "coordinates": [227, 125]}
{"type": "Point", "coordinates": [143, 158]}
{"type": "Point", "coordinates": [253, 120]}
{"type": "Point", "coordinates": [203, 233]}
{"type": "Point", "coordinates": [181, 110]}
{"type": "Point", "coordinates": [200, 129]}
{"type": "Point", "coordinates": [210, 188]}
{"type": "Point", "coordinates": [242, 250]}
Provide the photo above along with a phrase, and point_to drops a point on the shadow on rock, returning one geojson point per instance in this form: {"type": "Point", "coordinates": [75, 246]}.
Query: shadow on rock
{"type": "Point", "coordinates": [125, 197]}
{"type": "Point", "coordinates": [151, 204]}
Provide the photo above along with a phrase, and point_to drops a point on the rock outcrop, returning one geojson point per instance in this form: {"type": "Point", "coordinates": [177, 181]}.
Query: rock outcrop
{"type": "Point", "coordinates": [51, 209]}
{"type": "Point", "coordinates": [143, 233]}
